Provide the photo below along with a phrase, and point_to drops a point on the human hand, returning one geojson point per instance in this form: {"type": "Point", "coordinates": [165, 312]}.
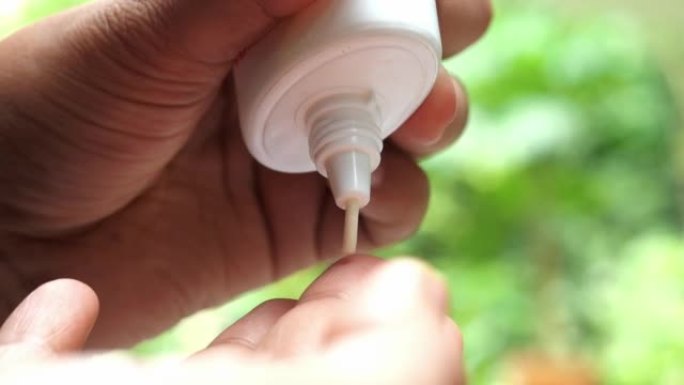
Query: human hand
{"type": "Point", "coordinates": [122, 165]}
{"type": "Point", "coordinates": [363, 322]}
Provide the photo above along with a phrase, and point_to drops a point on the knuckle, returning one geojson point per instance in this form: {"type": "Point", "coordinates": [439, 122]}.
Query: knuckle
{"type": "Point", "coordinates": [131, 19]}
{"type": "Point", "coordinates": [124, 30]}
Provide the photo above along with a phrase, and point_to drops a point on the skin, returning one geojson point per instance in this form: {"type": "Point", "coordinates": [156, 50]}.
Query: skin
{"type": "Point", "coordinates": [365, 320]}
{"type": "Point", "coordinates": [122, 165]}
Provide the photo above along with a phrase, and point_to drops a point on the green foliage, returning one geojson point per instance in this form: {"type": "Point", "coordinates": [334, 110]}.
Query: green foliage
{"type": "Point", "coordinates": [555, 219]}
{"type": "Point", "coordinates": [540, 215]}
{"type": "Point", "coordinates": [35, 9]}
{"type": "Point", "coordinates": [15, 14]}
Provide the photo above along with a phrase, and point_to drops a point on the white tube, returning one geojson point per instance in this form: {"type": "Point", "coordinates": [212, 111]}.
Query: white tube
{"type": "Point", "coordinates": [323, 89]}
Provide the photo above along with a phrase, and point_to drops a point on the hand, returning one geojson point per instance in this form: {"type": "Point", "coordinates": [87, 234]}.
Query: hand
{"type": "Point", "coordinates": [362, 322]}
{"type": "Point", "coordinates": [122, 165]}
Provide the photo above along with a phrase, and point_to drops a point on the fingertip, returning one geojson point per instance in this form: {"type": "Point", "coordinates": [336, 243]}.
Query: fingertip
{"type": "Point", "coordinates": [463, 22]}
{"type": "Point", "coordinates": [340, 279]}
{"type": "Point", "coordinates": [58, 315]}
{"type": "Point", "coordinates": [427, 125]}
{"type": "Point", "coordinates": [405, 287]}
{"type": "Point", "coordinates": [67, 287]}
{"type": "Point", "coordinates": [454, 130]}
{"type": "Point", "coordinates": [81, 298]}
{"type": "Point", "coordinates": [439, 122]}
{"type": "Point", "coordinates": [399, 203]}
{"type": "Point", "coordinates": [435, 286]}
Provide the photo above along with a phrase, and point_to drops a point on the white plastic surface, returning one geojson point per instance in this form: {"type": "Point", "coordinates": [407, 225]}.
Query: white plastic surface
{"type": "Point", "coordinates": [386, 51]}
{"type": "Point", "coordinates": [350, 177]}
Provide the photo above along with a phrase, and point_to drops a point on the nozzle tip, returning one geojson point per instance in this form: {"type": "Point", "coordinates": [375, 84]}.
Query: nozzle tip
{"type": "Point", "coordinates": [351, 227]}
{"type": "Point", "coordinates": [349, 174]}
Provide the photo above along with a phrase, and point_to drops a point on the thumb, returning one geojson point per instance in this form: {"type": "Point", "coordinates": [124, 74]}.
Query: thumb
{"type": "Point", "coordinates": [56, 318]}
{"type": "Point", "coordinates": [98, 100]}
{"type": "Point", "coordinates": [208, 31]}
{"type": "Point", "coordinates": [168, 53]}
{"type": "Point", "coordinates": [178, 41]}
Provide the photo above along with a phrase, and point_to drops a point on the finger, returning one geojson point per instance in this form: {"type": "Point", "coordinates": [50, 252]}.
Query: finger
{"type": "Point", "coordinates": [406, 352]}
{"type": "Point", "coordinates": [400, 309]}
{"type": "Point", "coordinates": [119, 86]}
{"type": "Point", "coordinates": [402, 288]}
{"type": "Point", "coordinates": [154, 55]}
{"type": "Point", "coordinates": [55, 319]}
{"type": "Point", "coordinates": [355, 293]}
{"type": "Point", "coordinates": [400, 198]}
{"type": "Point", "coordinates": [305, 328]}
{"type": "Point", "coordinates": [373, 338]}
{"type": "Point", "coordinates": [438, 122]}
{"type": "Point", "coordinates": [463, 22]}
{"type": "Point", "coordinates": [206, 32]}
{"type": "Point", "coordinates": [341, 277]}
{"type": "Point", "coordinates": [248, 332]}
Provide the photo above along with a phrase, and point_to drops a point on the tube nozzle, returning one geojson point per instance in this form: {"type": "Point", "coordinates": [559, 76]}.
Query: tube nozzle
{"type": "Point", "coordinates": [351, 227]}
{"type": "Point", "coordinates": [349, 174]}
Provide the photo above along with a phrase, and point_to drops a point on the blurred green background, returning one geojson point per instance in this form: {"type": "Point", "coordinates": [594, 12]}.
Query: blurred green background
{"type": "Point", "coordinates": [559, 217]}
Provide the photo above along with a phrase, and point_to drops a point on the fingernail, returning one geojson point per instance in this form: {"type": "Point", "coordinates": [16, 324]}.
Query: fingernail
{"type": "Point", "coordinates": [431, 142]}
{"type": "Point", "coordinates": [461, 101]}
{"type": "Point", "coordinates": [378, 177]}
{"type": "Point", "coordinates": [406, 287]}
{"type": "Point", "coordinates": [456, 110]}
{"type": "Point", "coordinates": [458, 96]}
